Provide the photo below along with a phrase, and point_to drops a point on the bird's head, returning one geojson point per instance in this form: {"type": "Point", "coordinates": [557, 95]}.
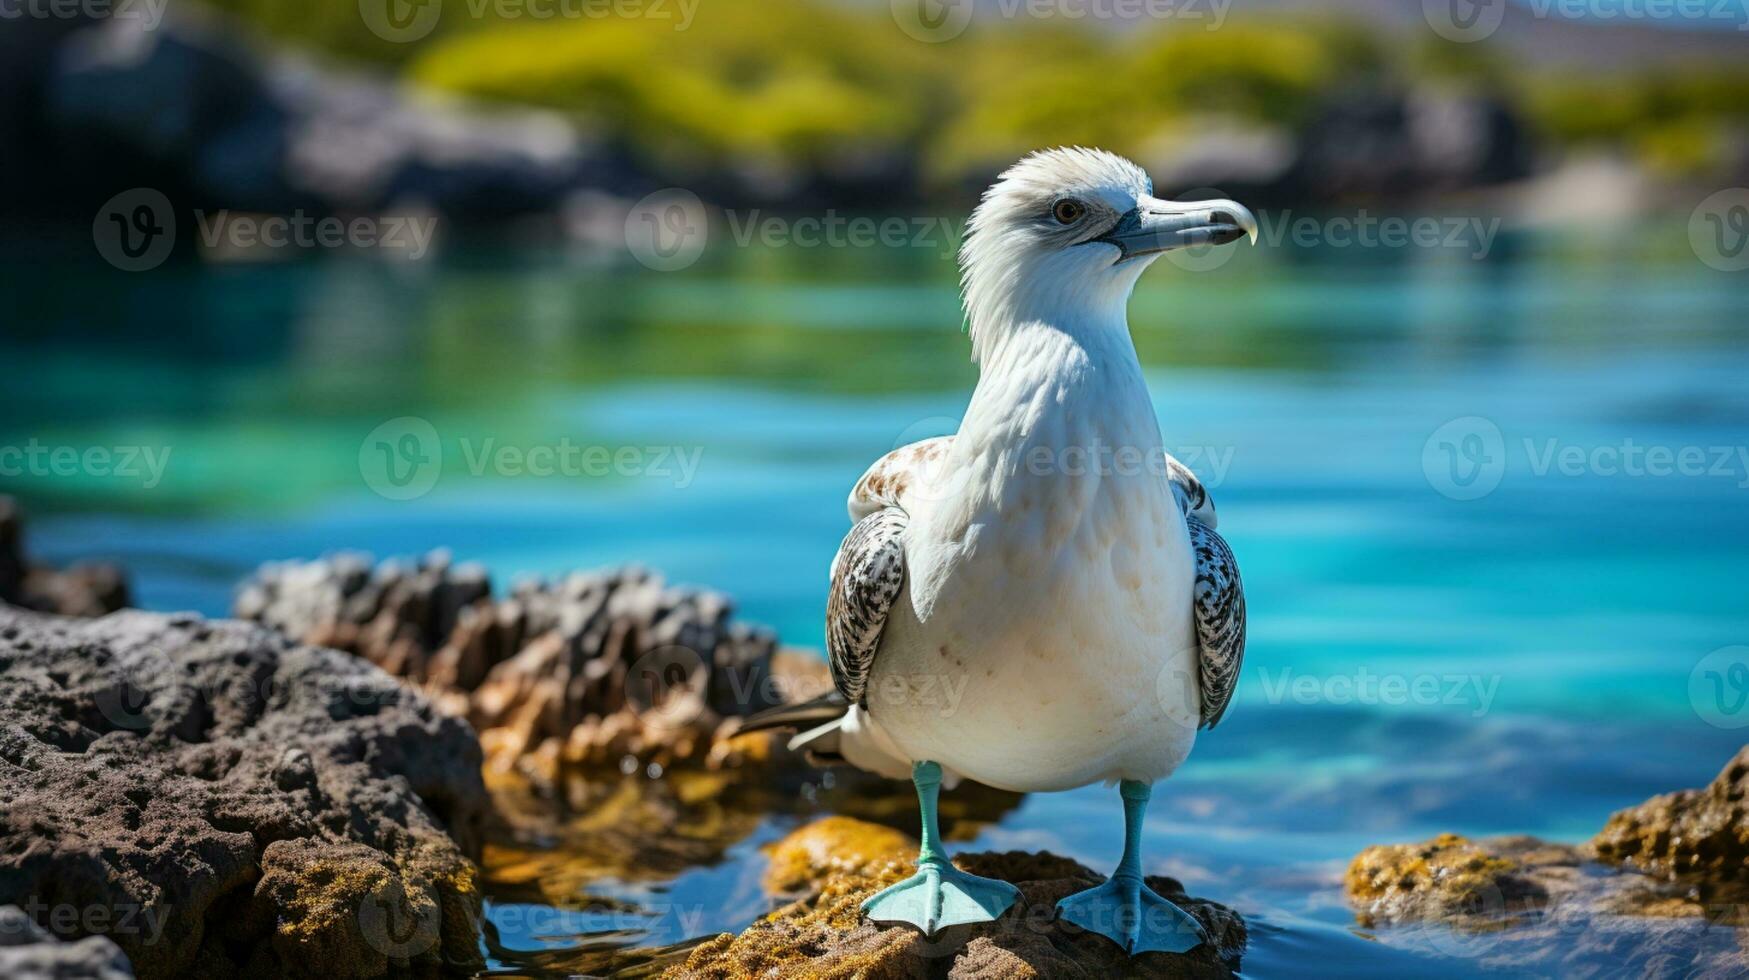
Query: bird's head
{"type": "Point", "coordinates": [1067, 232]}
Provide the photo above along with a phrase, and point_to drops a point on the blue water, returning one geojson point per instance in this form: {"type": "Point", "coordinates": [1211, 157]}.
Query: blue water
{"type": "Point", "coordinates": [1525, 661]}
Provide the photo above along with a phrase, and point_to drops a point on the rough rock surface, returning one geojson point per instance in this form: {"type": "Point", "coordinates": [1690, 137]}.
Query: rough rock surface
{"type": "Point", "coordinates": [218, 800]}
{"type": "Point", "coordinates": [85, 589]}
{"type": "Point", "coordinates": [1697, 835]}
{"type": "Point", "coordinates": [591, 671]}
{"type": "Point", "coordinates": [30, 952]}
{"type": "Point", "coordinates": [1674, 905]}
{"type": "Point", "coordinates": [1454, 879]}
{"type": "Point", "coordinates": [823, 935]}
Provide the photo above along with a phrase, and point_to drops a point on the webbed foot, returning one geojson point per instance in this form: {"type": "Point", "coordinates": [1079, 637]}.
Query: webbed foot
{"type": "Point", "coordinates": [940, 895]}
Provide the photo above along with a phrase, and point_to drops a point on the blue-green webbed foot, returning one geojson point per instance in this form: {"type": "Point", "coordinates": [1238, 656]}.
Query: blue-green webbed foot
{"type": "Point", "coordinates": [938, 895]}
{"type": "Point", "coordinates": [1125, 910]}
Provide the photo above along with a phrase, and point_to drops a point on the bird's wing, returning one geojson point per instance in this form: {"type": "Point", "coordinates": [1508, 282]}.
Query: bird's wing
{"type": "Point", "coordinates": [868, 573]}
{"type": "Point", "coordinates": [1192, 498]}
{"type": "Point", "coordinates": [867, 576]}
{"type": "Point", "coordinates": [895, 477]}
{"type": "Point", "coordinates": [1220, 618]}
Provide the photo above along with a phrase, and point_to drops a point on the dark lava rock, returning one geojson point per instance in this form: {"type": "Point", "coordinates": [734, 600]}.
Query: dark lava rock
{"type": "Point", "coordinates": [192, 107]}
{"type": "Point", "coordinates": [30, 952]}
{"type": "Point", "coordinates": [588, 670]}
{"type": "Point", "coordinates": [843, 861]}
{"type": "Point", "coordinates": [218, 800]}
{"type": "Point", "coordinates": [86, 589]}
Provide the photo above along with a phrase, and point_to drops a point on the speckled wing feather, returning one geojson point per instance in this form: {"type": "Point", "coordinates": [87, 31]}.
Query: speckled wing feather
{"type": "Point", "coordinates": [1220, 619]}
{"type": "Point", "coordinates": [867, 577]}
{"type": "Point", "coordinates": [894, 477]}
{"type": "Point", "coordinates": [869, 572]}
{"type": "Point", "coordinates": [1192, 498]}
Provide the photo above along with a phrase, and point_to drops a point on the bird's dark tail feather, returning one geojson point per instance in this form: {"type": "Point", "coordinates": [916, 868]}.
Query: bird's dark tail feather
{"type": "Point", "coordinates": [805, 714]}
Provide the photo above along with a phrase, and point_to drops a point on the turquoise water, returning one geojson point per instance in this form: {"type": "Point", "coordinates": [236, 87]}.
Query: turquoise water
{"type": "Point", "coordinates": [1525, 661]}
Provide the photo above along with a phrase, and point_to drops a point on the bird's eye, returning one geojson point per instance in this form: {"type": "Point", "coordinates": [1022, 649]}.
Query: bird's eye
{"type": "Point", "coordinates": [1068, 211]}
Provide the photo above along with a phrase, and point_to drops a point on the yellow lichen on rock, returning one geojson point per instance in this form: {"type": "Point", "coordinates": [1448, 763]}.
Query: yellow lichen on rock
{"type": "Point", "coordinates": [835, 845]}
{"type": "Point", "coordinates": [1698, 835]}
{"type": "Point", "coordinates": [844, 861]}
{"type": "Point", "coordinates": [1448, 876]}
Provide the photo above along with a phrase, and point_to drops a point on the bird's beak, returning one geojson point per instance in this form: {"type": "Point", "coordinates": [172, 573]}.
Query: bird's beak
{"type": "Point", "coordinates": [1159, 226]}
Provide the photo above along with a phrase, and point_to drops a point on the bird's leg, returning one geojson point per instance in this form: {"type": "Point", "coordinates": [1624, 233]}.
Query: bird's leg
{"type": "Point", "coordinates": [1124, 909]}
{"type": "Point", "coordinates": [939, 894]}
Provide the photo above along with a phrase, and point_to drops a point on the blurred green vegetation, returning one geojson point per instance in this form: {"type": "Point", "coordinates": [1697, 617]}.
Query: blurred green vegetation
{"type": "Point", "coordinates": [785, 86]}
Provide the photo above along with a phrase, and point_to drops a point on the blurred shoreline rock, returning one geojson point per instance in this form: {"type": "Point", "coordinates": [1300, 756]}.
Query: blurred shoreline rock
{"type": "Point", "coordinates": [81, 589]}
{"type": "Point", "coordinates": [215, 120]}
{"type": "Point", "coordinates": [218, 800]}
{"type": "Point", "coordinates": [30, 952]}
{"type": "Point", "coordinates": [838, 862]}
{"type": "Point", "coordinates": [611, 670]}
{"type": "Point", "coordinates": [1661, 890]}
{"type": "Point", "coordinates": [1697, 835]}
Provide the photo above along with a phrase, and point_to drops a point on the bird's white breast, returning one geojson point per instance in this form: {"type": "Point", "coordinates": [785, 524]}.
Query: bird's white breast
{"type": "Point", "coordinates": [1046, 639]}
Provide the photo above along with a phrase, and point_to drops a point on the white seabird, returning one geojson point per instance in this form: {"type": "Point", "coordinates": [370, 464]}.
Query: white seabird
{"type": "Point", "coordinates": [1050, 562]}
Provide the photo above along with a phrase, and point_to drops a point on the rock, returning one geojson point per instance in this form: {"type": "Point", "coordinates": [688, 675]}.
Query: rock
{"type": "Point", "coordinates": [217, 799]}
{"type": "Point", "coordinates": [30, 952]}
{"type": "Point", "coordinates": [1401, 146]}
{"type": "Point", "coordinates": [824, 935]}
{"type": "Point", "coordinates": [1700, 836]}
{"type": "Point", "coordinates": [834, 845]}
{"type": "Point", "coordinates": [586, 671]}
{"type": "Point", "coordinates": [1668, 899]}
{"type": "Point", "coordinates": [1452, 879]}
{"type": "Point", "coordinates": [250, 129]}
{"type": "Point", "coordinates": [86, 589]}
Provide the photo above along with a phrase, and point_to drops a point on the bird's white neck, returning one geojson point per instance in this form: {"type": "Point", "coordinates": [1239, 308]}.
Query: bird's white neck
{"type": "Point", "coordinates": [1062, 375]}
